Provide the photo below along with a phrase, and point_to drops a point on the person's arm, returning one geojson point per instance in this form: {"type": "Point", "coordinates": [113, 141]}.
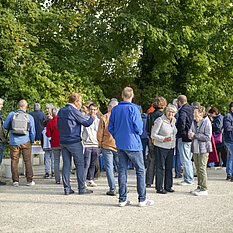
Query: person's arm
{"type": "Point", "coordinates": [48, 130]}
{"type": "Point", "coordinates": [111, 124]}
{"type": "Point", "coordinates": [227, 124]}
{"type": "Point", "coordinates": [81, 119]}
{"type": "Point", "coordinates": [155, 131]}
{"type": "Point", "coordinates": [137, 121]}
{"type": "Point", "coordinates": [206, 135]}
{"type": "Point", "coordinates": [148, 129]}
{"type": "Point", "coordinates": [32, 131]}
{"type": "Point", "coordinates": [217, 125]}
{"type": "Point", "coordinates": [100, 132]}
{"type": "Point", "coordinates": [7, 122]}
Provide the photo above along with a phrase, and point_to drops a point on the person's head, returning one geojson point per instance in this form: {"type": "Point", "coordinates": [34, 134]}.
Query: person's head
{"type": "Point", "coordinates": [76, 100]}
{"type": "Point", "coordinates": [127, 94]}
{"type": "Point", "coordinates": [23, 104]}
{"type": "Point", "coordinates": [174, 102]}
{"type": "Point", "coordinates": [159, 103]}
{"type": "Point", "coordinates": [37, 106]}
{"type": "Point", "coordinates": [111, 105]}
{"type": "Point", "coordinates": [49, 108]}
{"type": "Point", "coordinates": [195, 104]}
{"type": "Point", "coordinates": [1, 103]}
{"type": "Point", "coordinates": [199, 113]}
{"type": "Point", "coordinates": [171, 111]}
{"type": "Point", "coordinates": [55, 111]}
{"type": "Point", "coordinates": [213, 112]}
{"type": "Point", "coordinates": [231, 106]}
{"type": "Point", "coordinates": [93, 108]}
{"type": "Point", "coordinates": [181, 100]}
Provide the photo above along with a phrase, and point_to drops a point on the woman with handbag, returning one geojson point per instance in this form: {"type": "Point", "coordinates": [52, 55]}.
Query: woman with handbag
{"type": "Point", "coordinates": [164, 140]}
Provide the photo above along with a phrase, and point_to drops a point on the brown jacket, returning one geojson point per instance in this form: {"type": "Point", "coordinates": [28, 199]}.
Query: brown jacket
{"type": "Point", "coordinates": [104, 138]}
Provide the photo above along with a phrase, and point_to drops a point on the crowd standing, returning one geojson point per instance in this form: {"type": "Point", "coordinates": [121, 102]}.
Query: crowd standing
{"type": "Point", "coordinates": [153, 142]}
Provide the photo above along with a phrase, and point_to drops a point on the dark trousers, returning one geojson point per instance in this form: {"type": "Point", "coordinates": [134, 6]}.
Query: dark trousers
{"type": "Point", "coordinates": [222, 156]}
{"type": "Point", "coordinates": [90, 156]}
{"type": "Point", "coordinates": [164, 164]}
{"type": "Point", "coordinates": [150, 172]}
{"type": "Point", "coordinates": [15, 154]}
{"type": "Point", "coordinates": [144, 144]}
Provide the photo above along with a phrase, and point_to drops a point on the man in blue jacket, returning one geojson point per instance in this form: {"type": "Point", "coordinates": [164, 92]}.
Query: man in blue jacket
{"type": "Point", "coordinates": [69, 121]}
{"type": "Point", "coordinates": [21, 141]}
{"type": "Point", "coordinates": [125, 125]}
{"type": "Point", "coordinates": [228, 135]}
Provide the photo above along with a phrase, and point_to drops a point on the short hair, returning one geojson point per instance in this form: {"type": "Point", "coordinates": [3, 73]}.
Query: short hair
{"type": "Point", "coordinates": [174, 102]}
{"type": "Point", "coordinates": [88, 103]}
{"type": "Point", "coordinates": [171, 107]}
{"type": "Point", "coordinates": [200, 109]}
{"type": "Point", "coordinates": [213, 110]}
{"type": "Point", "coordinates": [182, 99]}
{"type": "Point", "coordinates": [23, 103]}
{"type": "Point", "coordinates": [127, 92]}
{"type": "Point", "coordinates": [75, 97]}
{"type": "Point", "coordinates": [55, 111]}
{"type": "Point", "coordinates": [231, 105]}
{"type": "Point", "coordinates": [2, 101]}
{"type": "Point", "coordinates": [113, 103]}
{"type": "Point", "coordinates": [49, 106]}
{"type": "Point", "coordinates": [94, 105]}
{"type": "Point", "coordinates": [37, 106]}
{"type": "Point", "coordinates": [159, 102]}
{"type": "Point", "coordinates": [195, 104]}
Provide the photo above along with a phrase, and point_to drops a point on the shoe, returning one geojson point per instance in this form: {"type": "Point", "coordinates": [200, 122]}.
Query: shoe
{"type": "Point", "coordinates": [228, 178]}
{"type": "Point", "coordinates": [170, 190]}
{"type": "Point", "coordinates": [184, 183]}
{"type": "Point", "coordinates": [232, 179]}
{"type": "Point", "coordinates": [69, 192]}
{"type": "Point", "coordinates": [16, 184]}
{"type": "Point", "coordinates": [30, 183]}
{"type": "Point", "coordinates": [91, 183]}
{"type": "Point", "coordinates": [162, 191]}
{"type": "Point", "coordinates": [148, 186]}
{"type": "Point", "coordinates": [46, 176]}
{"type": "Point", "coordinates": [178, 176]}
{"type": "Point", "coordinates": [195, 175]}
{"type": "Point", "coordinates": [195, 190]}
{"type": "Point", "coordinates": [111, 193]}
{"type": "Point", "coordinates": [145, 203]}
{"type": "Point", "coordinates": [2, 183]}
{"type": "Point", "coordinates": [201, 193]}
{"type": "Point", "coordinates": [85, 191]}
{"type": "Point", "coordinates": [52, 175]}
{"type": "Point", "coordinates": [58, 182]}
{"type": "Point", "coordinates": [125, 203]}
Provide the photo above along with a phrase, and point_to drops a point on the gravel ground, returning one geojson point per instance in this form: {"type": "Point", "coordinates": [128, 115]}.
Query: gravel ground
{"type": "Point", "coordinates": [44, 208]}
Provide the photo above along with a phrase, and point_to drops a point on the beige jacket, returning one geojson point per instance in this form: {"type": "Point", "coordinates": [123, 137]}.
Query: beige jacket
{"type": "Point", "coordinates": [104, 138]}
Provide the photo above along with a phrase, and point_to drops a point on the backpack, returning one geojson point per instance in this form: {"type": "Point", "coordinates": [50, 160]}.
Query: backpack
{"type": "Point", "coordinates": [20, 124]}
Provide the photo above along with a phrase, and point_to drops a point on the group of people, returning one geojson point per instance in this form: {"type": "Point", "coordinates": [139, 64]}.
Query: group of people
{"type": "Point", "coordinates": [123, 134]}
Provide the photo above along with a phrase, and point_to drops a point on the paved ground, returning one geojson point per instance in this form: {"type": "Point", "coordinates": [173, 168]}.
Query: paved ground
{"type": "Point", "coordinates": [44, 208]}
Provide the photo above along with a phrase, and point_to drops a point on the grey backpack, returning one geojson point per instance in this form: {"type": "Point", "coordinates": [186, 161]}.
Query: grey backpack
{"type": "Point", "coordinates": [20, 124]}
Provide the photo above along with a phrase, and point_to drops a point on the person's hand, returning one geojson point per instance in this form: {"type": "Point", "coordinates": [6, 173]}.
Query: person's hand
{"type": "Point", "coordinates": [191, 134]}
{"type": "Point", "coordinates": [168, 139]}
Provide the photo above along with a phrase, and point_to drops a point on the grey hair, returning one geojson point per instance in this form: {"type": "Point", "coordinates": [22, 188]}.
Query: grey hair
{"type": "Point", "coordinates": [55, 111]}
{"type": "Point", "coordinates": [113, 103]}
{"type": "Point", "coordinates": [49, 106]}
{"type": "Point", "coordinates": [2, 101]}
{"type": "Point", "coordinates": [171, 107]}
{"type": "Point", "coordinates": [174, 102]}
{"type": "Point", "coordinates": [37, 106]}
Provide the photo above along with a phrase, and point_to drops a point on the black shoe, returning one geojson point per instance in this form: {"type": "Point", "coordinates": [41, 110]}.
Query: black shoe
{"type": "Point", "coordinates": [170, 190]}
{"type": "Point", "coordinates": [69, 192]}
{"type": "Point", "coordinates": [195, 175]}
{"type": "Point", "coordinates": [148, 186]}
{"type": "Point", "coordinates": [85, 191]}
{"type": "Point", "coordinates": [178, 176]}
{"type": "Point", "coordinates": [52, 175]}
{"type": "Point", "coordinates": [228, 178]}
{"type": "Point", "coordinates": [161, 191]}
{"type": "Point", "coordinates": [2, 183]}
{"type": "Point", "coordinates": [46, 176]}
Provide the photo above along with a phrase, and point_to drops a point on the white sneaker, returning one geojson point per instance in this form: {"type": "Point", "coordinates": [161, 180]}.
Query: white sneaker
{"type": "Point", "coordinates": [184, 183]}
{"type": "Point", "coordinates": [125, 203]}
{"type": "Point", "coordinates": [195, 190]}
{"type": "Point", "coordinates": [201, 193]}
{"type": "Point", "coordinates": [31, 183]}
{"type": "Point", "coordinates": [145, 203]}
{"type": "Point", "coordinates": [16, 184]}
{"type": "Point", "coordinates": [91, 183]}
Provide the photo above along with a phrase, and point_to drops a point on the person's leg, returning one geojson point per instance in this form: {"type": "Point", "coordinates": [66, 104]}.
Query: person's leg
{"type": "Point", "coordinates": [196, 161]}
{"type": "Point", "coordinates": [160, 162]}
{"type": "Point", "coordinates": [224, 155]}
{"type": "Point", "coordinates": [2, 146]}
{"type": "Point", "coordinates": [87, 160]}
{"type": "Point", "coordinates": [47, 161]}
{"type": "Point", "coordinates": [91, 170]}
{"type": "Point", "coordinates": [168, 182]}
{"type": "Point", "coordinates": [56, 154]}
{"type": "Point", "coordinates": [137, 158]}
{"type": "Point", "coordinates": [27, 151]}
{"type": "Point", "coordinates": [203, 159]}
{"type": "Point", "coordinates": [229, 158]}
{"type": "Point", "coordinates": [177, 161]}
{"type": "Point", "coordinates": [186, 156]}
{"type": "Point", "coordinates": [122, 175]}
{"type": "Point", "coordinates": [144, 144]}
{"type": "Point", "coordinates": [108, 161]}
{"type": "Point", "coordinates": [150, 172]}
{"type": "Point", "coordinates": [14, 153]}
{"type": "Point", "coordinates": [52, 161]}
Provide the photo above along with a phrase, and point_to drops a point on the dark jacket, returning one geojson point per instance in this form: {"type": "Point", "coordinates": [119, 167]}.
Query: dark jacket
{"type": "Point", "coordinates": [184, 122]}
{"type": "Point", "coordinates": [144, 119]}
{"type": "Point", "coordinates": [151, 119]}
{"type": "Point", "coordinates": [39, 117]}
{"type": "Point", "coordinates": [217, 125]}
{"type": "Point", "coordinates": [228, 127]}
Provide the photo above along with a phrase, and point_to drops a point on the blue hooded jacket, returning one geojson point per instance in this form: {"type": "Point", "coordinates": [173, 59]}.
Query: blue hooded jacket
{"type": "Point", "coordinates": [228, 127]}
{"type": "Point", "coordinates": [125, 125]}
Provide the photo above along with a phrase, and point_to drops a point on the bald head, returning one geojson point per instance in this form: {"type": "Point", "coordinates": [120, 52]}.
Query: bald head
{"type": "Point", "coordinates": [23, 104]}
{"type": "Point", "coordinates": [181, 100]}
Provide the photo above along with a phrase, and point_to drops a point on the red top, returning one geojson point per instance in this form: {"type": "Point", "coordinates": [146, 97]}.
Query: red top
{"type": "Point", "coordinates": [55, 136]}
{"type": "Point", "coordinates": [151, 109]}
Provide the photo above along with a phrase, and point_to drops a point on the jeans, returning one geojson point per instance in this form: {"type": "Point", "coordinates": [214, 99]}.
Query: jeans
{"type": "Point", "coordinates": [109, 157]}
{"type": "Point", "coordinates": [185, 157]}
{"type": "Point", "coordinates": [2, 146]}
{"type": "Point", "coordinates": [177, 160]}
{"type": "Point", "coordinates": [150, 172]}
{"type": "Point", "coordinates": [48, 156]}
{"type": "Point", "coordinates": [90, 156]}
{"type": "Point", "coordinates": [229, 165]}
{"type": "Point", "coordinates": [137, 158]}
{"type": "Point", "coordinates": [75, 150]}
{"type": "Point", "coordinates": [57, 154]}
{"type": "Point", "coordinates": [144, 144]}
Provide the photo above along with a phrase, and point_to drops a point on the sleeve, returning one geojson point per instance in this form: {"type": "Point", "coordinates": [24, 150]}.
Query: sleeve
{"type": "Point", "coordinates": [155, 131]}
{"type": "Point", "coordinates": [111, 124]}
{"type": "Point", "coordinates": [181, 123]}
{"type": "Point", "coordinates": [227, 124]}
{"type": "Point", "coordinates": [81, 119]}
{"type": "Point", "coordinates": [32, 131]}
{"type": "Point", "coordinates": [48, 130]}
{"type": "Point", "coordinates": [100, 132]}
{"type": "Point", "coordinates": [7, 122]}
{"type": "Point", "coordinates": [206, 135]}
{"type": "Point", "coordinates": [137, 121]}
{"type": "Point", "coordinates": [217, 125]}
